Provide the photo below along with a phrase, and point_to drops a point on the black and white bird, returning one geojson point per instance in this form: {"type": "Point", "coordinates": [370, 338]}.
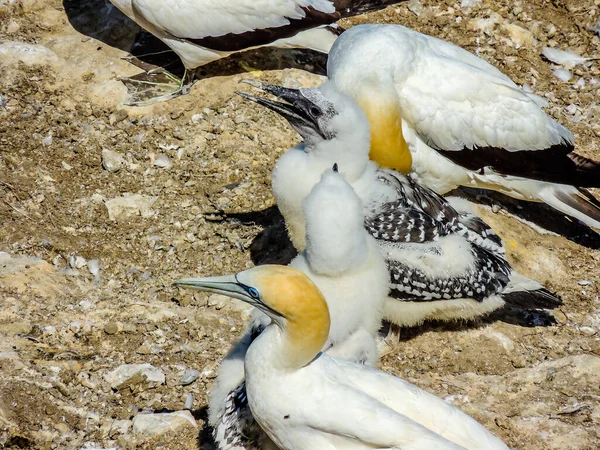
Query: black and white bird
{"type": "Point", "coordinates": [443, 264]}
{"type": "Point", "coordinates": [451, 119]}
{"type": "Point", "coordinates": [202, 31]}
{"type": "Point", "coordinates": [345, 263]}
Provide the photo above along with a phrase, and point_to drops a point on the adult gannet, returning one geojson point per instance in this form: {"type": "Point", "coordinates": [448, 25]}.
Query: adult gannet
{"type": "Point", "coordinates": [443, 264]}
{"type": "Point", "coordinates": [345, 263]}
{"type": "Point", "coordinates": [202, 31]}
{"type": "Point", "coordinates": [306, 400]}
{"type": "Point", "coordinates": [452, 119]}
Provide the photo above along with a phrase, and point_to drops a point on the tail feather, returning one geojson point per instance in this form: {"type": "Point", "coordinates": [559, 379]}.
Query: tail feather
{"type": "Point", "coordinates": [350, 8]}
{"type": "Point", "coordinates": [527, 294]}
{"type": "Point", "coordinates": [573, 201]}
{"type": "Point", "coordinates": [533, 300]}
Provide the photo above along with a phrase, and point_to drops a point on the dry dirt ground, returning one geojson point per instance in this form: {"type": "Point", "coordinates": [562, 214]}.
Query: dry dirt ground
{"type": "Point", "coordinates": [185, 193]}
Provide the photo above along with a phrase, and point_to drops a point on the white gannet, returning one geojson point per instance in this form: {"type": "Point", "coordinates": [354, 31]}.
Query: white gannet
{"type": "Point", "coordinates": [202, 31]}
{"type": "Point", "coordinates": [345, 263]}
{"type": "Point", "coordinates": [455, 120]}
{"type": "Point", "coordinates": [443, 264]}
{"type": "Point", "coordinates": [307, 400]}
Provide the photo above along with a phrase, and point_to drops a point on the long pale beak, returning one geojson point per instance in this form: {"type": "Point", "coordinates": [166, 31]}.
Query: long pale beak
{"type": "Point", "coordinates": [225, 285]}
{"type": "Point", "coordinates": [296, 111]}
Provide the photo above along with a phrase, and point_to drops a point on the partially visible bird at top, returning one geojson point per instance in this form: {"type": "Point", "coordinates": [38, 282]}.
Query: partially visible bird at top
{"type": "Point", "coordinates": [305, 399]}
{"type": "Point", "coordinates": [202, 31]}
{"type": "Point", "coordinates": [452, 119]}
{"type": "Point", "coordinates": [443, 264]}
{"type": "Point", "coordinates": [345, 263]}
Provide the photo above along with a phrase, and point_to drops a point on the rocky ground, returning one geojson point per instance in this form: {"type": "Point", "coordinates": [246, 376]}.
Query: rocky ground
{"type": "Point", "coordinates": [102, 206]}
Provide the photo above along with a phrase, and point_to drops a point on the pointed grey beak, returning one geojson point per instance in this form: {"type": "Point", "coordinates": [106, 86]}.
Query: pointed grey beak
{"type": "Point", "coordinates": [226, 285]}
{"type": "Point", "coordinates": [300, 112]}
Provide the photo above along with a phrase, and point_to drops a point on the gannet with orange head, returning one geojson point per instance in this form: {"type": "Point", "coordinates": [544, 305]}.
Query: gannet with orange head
{"type": "Point", "coordinates": [305, 399]}
{"type": "Point", "coordinates": [345, 263]}
{"type": "Point", "coordinates": [452, 119]}
{"type": "Point", "coordinates": [444, 264]}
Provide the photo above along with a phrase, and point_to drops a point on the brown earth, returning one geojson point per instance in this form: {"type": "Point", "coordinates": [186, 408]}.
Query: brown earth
{"type": "Point", "coordinates": [63, 329]}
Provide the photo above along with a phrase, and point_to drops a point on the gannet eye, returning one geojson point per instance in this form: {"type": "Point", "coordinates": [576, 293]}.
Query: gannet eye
{"type": "Point", "coordinates": [253, 293]}
{"type": "Point", "coordinates": [315, 111]}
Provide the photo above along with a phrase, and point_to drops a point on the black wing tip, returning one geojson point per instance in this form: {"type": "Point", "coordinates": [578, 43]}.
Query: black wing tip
{"type": "Point", "coordinates": [540, 299]}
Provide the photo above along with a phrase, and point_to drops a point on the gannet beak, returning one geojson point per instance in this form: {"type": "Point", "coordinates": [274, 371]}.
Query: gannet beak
{"type": "Point", "coordinates": [226, 285]}
{"type": "Point", "coordinates": [296, 111]}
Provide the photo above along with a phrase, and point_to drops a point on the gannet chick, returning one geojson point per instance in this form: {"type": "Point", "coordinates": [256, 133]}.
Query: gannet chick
{"type": "Point", "coordinates": [202, 31]}
{"type": "Point", "coordinates": [344, 261]}
{"type": "Point", "coordinates": [452, 119]}
{"type": "Point", "coordinates": [305, 399]}
{"type": "Point", "coordinates": [443, 264]}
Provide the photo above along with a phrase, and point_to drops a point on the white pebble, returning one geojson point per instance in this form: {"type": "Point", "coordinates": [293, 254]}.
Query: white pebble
{"type": "Point", "coordinates": [93, 266]}
{"type": "Point", "coordinates": [80, 262]}
{"type": "Point", "coordinates": [189, 377]}
{"type": "Point", "coordinates": [562, 74]}
{"type": "Point", "coordinates": [585, 283]}
{"type": "Point", "coordinates": [163, 162]}
{"type": "Point", "coordinates": [580, 83]}
{"type": "Point", "coordinates": [189, 401]}
{"type": "Point", "coordinates": [572, 109]}
{"type": "Point", "coordinates": [47, 140]}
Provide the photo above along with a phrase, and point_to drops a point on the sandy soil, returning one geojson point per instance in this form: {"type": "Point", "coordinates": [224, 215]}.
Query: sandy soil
{"type": "Point", "coordinates": [63, 329]}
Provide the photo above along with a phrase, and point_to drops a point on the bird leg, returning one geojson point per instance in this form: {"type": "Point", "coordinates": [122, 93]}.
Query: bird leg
{"type": "Point", "coordinates": [156, 84]}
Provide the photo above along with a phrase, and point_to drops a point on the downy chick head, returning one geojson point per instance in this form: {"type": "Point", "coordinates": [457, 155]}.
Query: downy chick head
{"type": "Point", "coordinates": [287, 296]}
{"type": "Point", "coordinates": [334, 129]}
{"type": "Point", "coordinates": [335, 234]}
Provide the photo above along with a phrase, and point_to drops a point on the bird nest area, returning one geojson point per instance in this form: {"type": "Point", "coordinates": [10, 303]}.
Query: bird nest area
{"type": "Point", "coordinates": [103, 206]}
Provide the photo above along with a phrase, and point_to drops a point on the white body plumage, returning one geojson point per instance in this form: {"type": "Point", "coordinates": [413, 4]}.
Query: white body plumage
{"type": "Point", "coordinates": [464, 122]}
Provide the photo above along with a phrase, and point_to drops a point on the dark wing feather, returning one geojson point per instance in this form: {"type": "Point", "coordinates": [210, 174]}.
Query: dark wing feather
{"type": "Point", "coordinates": [557, 164]}
{"type": "Point", "coordinates": [313, 18]}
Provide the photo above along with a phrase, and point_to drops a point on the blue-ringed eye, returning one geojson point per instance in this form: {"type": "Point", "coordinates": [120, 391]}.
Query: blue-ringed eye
{"type": "Point", "coordinates": [253, 292]}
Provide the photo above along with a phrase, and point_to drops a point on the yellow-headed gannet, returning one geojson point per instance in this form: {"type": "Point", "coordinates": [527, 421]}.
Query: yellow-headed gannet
{"type": "Point", "coordinates": [307, 400]}
{"type": "Point", "coordinates": [345, 263]}
{"type": "Point", "coordinates": [452, 119]}
{"type": "Point", "coordinates": [443, 264]}
{"type": "Point", "coordinates": [201, 31]}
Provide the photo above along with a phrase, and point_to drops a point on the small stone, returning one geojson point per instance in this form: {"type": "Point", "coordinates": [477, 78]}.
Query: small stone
{"type": "Point", "coordinates": [93, 266]}
{"type": "Point", "coordinates": [163, 162]}
{"type": "Point", "coordinates": [111, 328]}
{"type": "Point", "coordinates": [157, 424]}
{"type": "Point", "coordinates": [189, 401]}
{"type": "Point", "coordinates": [129, 205]}
{"type": "Point", "coordinates": [112, 161]}
{"type": "Point", "coordinates": [519, 36]}
{"type": "Point", "coordinates": [584, 283]}
{"type": "Point", "coordinates": [66, 166]}
{"type": "Point", "coordinates": [129, 375]}
{"type": "Point", "coordinates": [189, 377]}
{"type": "Point", "coordinates": [79, 262]}
{"type": "Point", "coordinates": [562, 74]}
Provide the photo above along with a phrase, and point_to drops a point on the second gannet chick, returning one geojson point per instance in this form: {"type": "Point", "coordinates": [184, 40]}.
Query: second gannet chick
{"type": "Point", "coordinates": [344, 261]}
{"type": "Point", "coordinates": [443, 264]}
{"type": "Point", "coordinates": [306, 400]}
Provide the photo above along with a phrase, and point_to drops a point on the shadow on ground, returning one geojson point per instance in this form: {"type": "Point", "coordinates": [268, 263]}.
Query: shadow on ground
{"type": "Point", "coordinates": [101, 20]}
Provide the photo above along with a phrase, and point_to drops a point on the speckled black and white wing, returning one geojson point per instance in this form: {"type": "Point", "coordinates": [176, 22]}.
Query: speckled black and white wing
{"type": "Point", "coordinates": [237, 429]}
{"type": "Point", "coordinates": [415, 228]}
{"type": "Point", "coordinates": [488, 275]}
